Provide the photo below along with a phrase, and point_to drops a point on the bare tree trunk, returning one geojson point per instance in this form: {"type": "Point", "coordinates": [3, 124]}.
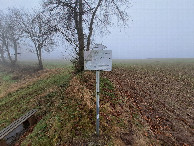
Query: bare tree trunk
{"type": "Point", "coordinates": [16, 51]}
{"type": "Point", "coordinates": [40, 64]}
{"type": "Point", "coordinates": [39, 55]}
{"type": "Point", "coordinates": [81, 38]}
{"type": "Point", "coordinates": [8, 53]}
{"type": "Point", "coordinates": [2, 54]}
{"type": "Point", "coordinates": [5, 43]}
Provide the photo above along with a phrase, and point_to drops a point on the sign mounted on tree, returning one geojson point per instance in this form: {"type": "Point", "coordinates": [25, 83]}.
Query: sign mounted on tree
{"type": "Point", "coordinates": [98, 60]}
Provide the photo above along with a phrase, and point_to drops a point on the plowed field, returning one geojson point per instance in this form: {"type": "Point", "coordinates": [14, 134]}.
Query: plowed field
{"type": "Point", "coordinates": [164, 97]}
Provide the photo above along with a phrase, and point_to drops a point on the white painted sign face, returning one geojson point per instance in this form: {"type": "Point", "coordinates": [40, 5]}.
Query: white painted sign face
{"type": "Point", "coordinates": [98, 60]}
{"type": "Point", "coordinates": [99, 47]}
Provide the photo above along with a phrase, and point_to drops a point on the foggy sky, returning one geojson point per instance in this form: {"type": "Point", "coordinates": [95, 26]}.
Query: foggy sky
{"type": "Point", "coordinates": [160, 29]}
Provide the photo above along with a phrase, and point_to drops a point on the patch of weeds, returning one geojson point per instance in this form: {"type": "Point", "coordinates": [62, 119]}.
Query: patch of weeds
{"type": "Point", "coordinates": [107, 89]}
{"type": "Point", "coordinates": [105, 83]}
{"type": "Point", "coordinates": [6, 77]}
{"type": "Point", "coordinates": [121, 123]}
{"type": "Point", "coordinates": [136, 120]}
{"type": "Point", "coordinates": [5, 81]}
{"type": "Point", "coordinates": [39, 135]}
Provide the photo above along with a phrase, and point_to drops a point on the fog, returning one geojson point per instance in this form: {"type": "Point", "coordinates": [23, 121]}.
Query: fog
{"type": "Point", "coordinates": [156, 29]}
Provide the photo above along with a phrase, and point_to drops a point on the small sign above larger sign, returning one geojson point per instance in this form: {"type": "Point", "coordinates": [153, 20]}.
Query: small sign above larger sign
{"type": "Point", "coordinates": [99, 47]}
{"type": "Point", "coordinates": [98, 60]}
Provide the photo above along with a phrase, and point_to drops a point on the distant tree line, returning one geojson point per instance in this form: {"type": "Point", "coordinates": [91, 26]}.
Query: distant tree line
{"type": "Point", "coordinates": [78, 21]}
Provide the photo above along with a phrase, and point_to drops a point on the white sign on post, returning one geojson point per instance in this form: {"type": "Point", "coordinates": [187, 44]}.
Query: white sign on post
{"type": "Point", "coordinates": [98, 60]}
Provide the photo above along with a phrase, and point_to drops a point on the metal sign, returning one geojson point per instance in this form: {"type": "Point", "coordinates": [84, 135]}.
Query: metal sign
{"type": "Point", "coordinates": [98, 60]}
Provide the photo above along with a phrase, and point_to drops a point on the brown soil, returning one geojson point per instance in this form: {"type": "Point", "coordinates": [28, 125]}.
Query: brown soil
{"type": "Point", "coordinates": [164, 103]}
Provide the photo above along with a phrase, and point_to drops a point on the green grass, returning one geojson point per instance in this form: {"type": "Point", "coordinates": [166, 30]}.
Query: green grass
{"type": "Point", "coordinates": [16, 103]}
{"type": "Point", "coordinates": [65, 123]}
{"type": "Point", "coordinates": [6, 77]}
{"type": "Point", "coordinates": [5, 81]}
{"type": "Point", "coordinates": [48, 64]}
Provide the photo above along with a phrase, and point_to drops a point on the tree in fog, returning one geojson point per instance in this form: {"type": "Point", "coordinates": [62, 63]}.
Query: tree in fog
{"type": "Point", "coordinates": [10, 34]}
{"type": "Point", "coordinates": [1, 37]}
{"type": "Point", "coordinates": [39, 29]}
{"type": "Point", "coordinates": [15, 33]}
{"type": "Point", "coordinates": [77, 20]}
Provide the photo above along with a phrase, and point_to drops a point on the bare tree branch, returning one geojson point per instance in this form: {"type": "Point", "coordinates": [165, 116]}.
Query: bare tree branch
{"type": "Point", "coordinates": [91, 24]}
